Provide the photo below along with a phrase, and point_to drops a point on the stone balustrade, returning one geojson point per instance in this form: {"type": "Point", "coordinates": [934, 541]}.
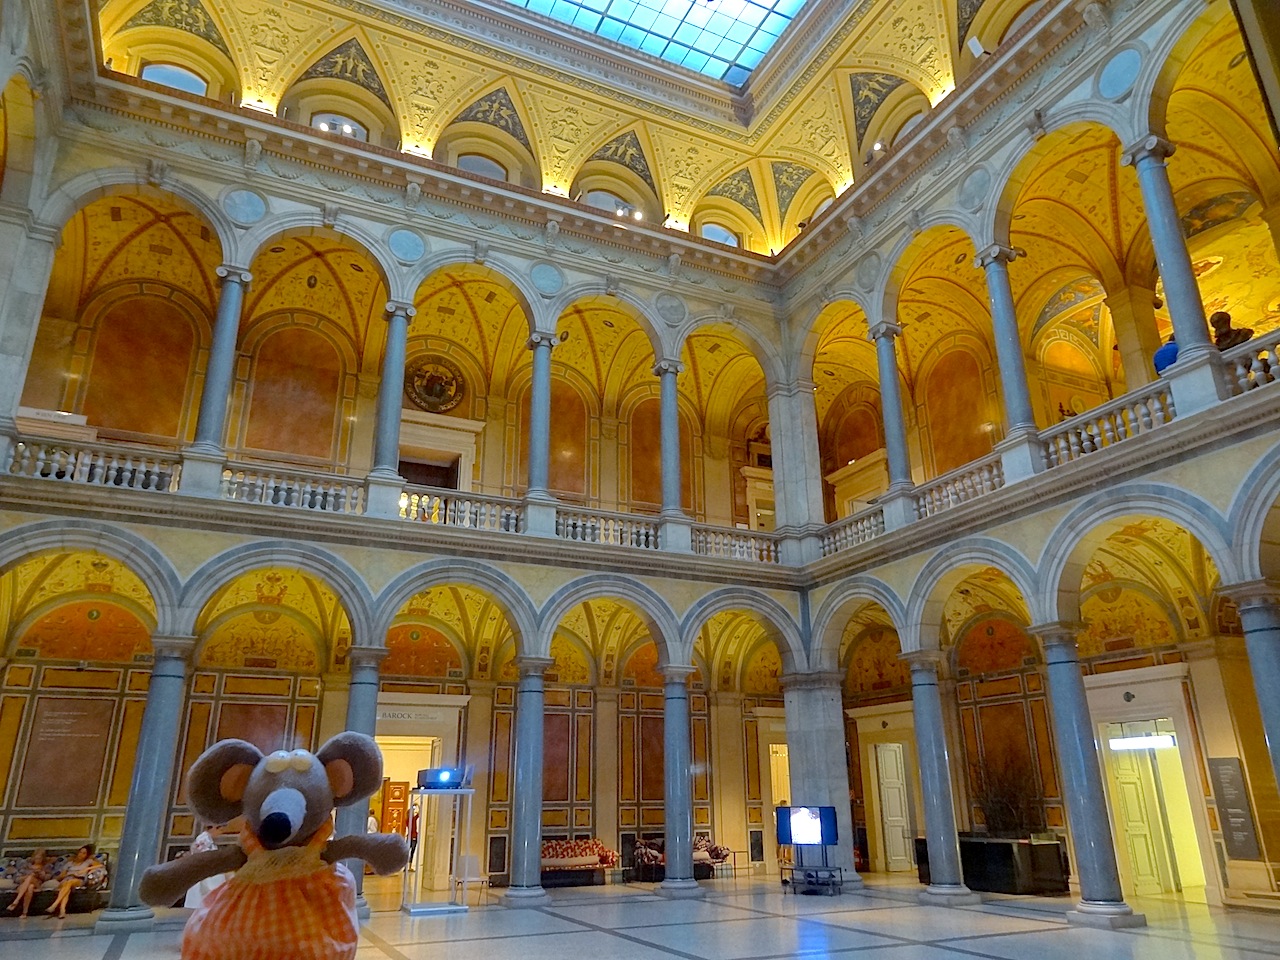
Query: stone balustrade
{"type": "Point", "coordinates": [1253, 364]}
{"type": "Point", "coordinates": [468, 511]}
{"type": "Point", "coordinates": [614, 529]}
{"type": "Point", "coordinates": [95, 464]}
{"type": "Point", "coordinates": [852, 530]}
{"type": "Point", "coordinates": [1129, 416]}
{"type": "Point", "coordinates": [726, 543]}
{"type": "Point", "coordinates": [302, 491]}
{"type": "Point", "coordinates": [970, 482]}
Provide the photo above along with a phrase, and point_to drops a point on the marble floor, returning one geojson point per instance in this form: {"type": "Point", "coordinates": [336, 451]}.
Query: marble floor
{"type": "Point", "coordinates": [742, 920]}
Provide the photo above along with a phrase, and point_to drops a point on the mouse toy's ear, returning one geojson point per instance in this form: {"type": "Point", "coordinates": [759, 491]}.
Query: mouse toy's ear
{"type": "Point", "coordinates": [217, 780]}
{"type": "Point", "coordinates": [353, 763]}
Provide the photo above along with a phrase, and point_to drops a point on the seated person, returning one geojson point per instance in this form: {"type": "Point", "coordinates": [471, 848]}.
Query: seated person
{"type": "Point", "coordinates": [1225, 335]}
{"type": "Point", "coordinates": [75, 875]}
{"type": "Point", "coordinates": [38, 870]}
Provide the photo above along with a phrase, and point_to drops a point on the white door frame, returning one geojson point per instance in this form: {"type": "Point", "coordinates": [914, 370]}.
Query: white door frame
{"type": "Point", "coordinates": [886, 723]}
{"type": "Point", "coordinates": [1148, 693]}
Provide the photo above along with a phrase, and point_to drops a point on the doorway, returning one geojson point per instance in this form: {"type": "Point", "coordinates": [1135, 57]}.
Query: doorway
{"type": "Point", "coordinates": [895, 806]}
{"type": "Point", "coordinates": [1151, 810]}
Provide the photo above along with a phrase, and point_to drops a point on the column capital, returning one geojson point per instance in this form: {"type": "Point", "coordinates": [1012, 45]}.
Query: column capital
{"type": "Point", "coordinates": [924, 661]}
{"type": "Point", "coordinates": [1149, 146]}
{"type": "Point", "coordinates": [174, 647]}
{"type": "Point", "coordinates": [677, 672]}
{"type": "Point", "coordinates": [399, 307]}
{"type": "Point", "coordinates": [1057, 633]}
{"type": "Point", "coordinates": [533, 666]}
{"type": "Point", "coordinates": [997, 253]}
{"type": "Point", "coordinates": [366, 656]}
{"type": "Point", "coordinates": [821, 680]}
{"type": "Point", "coordinates": [234, 274]}
{"type": "Point", "coordinates": [1254, 593]}
{"type": "Point", "coordinates": [541, 339]}
{"type": "Point", "coordinates": [884, 330]}
{"type": "Point", "coordinates": [481, 688]}
{"type": "Point", "coordinates": [793, 388]}
{"type": "Point", "coordinates": [607, 695]}
{"type": "Point", "coordinates": [663, 367]}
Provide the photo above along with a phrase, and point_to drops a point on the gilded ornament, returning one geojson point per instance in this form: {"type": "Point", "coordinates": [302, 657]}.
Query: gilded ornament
{"type": "Point", "coordinates": [434, 383]}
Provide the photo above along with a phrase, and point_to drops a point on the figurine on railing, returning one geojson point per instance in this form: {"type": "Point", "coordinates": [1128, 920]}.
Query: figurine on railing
{"type": "Point", "coordinates": [1225, 335]}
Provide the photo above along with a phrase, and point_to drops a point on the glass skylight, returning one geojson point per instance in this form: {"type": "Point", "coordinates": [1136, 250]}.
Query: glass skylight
{"type": "Point", "coordinates": [724, 39]}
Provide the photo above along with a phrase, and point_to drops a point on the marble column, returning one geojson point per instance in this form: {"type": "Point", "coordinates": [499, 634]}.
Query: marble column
{"type": "Point", "coordinates": [1259, 606]}
{"type": "Point", "coordinates": [675, 533]}
{"type": "Point", "coordinates": [26, 263]}
{"type": "Point", "coordinates": [1101, 899]}
{"type": "Point", "coordinates": [678, 784]}
{"type": "Point", "coordinates": [1019, 415]}
{"type": "Point", "coordinates": [818, 760]}
{"type": "Point", "coordinates": [202, 461]}
{"type": "Point", "coordinates": [898, 503]}
{"type": "Point", "coordinates": [362, 717]}
{"type": "Point", "coordinates": [526, 827]}
{"type": "Point", "coordinates": [385, 485]}
{"type": "Point", "coordinates": [151, 786]}
{"type": "Point", "coordinates": [797, 471]}
{"type": "Point", "coordinates": [946, 882]}
{"type": "Point", "coordinates": [540, 511]}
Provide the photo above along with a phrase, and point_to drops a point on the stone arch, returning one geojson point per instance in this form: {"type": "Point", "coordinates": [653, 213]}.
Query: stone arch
{"type": "Point", "coordinates": [832, 614]}
{"type": "Point", "coordinates": [946, 569]}
{"type": "Point", "coordinates": [1164, 61]}
{"type": "Point", "coordinates": [350, 587]}
{"type": "Point", "coordinates": [1079, 534]}
{"type": "Point", "coordinates": [509, 596]}
{"type": "Point", "coordinates": [631, 304]}
{"type": "Point", "coordinates": [308, 224]}
{"type": "Point", "coordinates": [151, 566]}
{"type": "Point", "coordinates": [1250, 517]}
{"type": "Point", "coordinates": [70, 197]}
{"type": "Point", "coordinates": [778, 622]}
{"type": "Point", "coordinates": [644, 601]}
{"type": "Point", "coordinates": [497, 269]}
{"type": "Point", "coordinates": [811, 330]}
{"type": "Point", "coordinates": [772, 362]}
{"type": "Point", "coordinates": [908, 250]}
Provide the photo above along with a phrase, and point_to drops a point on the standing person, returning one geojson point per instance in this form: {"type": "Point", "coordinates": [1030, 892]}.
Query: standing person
{"type": "Point", "coordinates": [204, 843]}
{"type": "Point", "coordinates": [38, 871]}
{"type": "Point", "coordinates": [372, 825]}
{"type": "Point", "coordinates": [411, 832]}
{"type": "Point", "coordinates": [1167, 355]}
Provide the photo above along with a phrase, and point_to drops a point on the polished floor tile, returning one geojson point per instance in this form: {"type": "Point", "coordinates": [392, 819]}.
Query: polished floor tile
{"type": "Point", "coordinates": [745, 920]}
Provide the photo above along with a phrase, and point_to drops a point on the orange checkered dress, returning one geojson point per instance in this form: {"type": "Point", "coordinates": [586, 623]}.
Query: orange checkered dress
{"type": "Point", "coordinates": [285, 904]}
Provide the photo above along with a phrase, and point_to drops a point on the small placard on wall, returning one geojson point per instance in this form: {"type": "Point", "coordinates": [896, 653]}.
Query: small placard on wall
{"type": "Point", "coordinates": [1235, 810]}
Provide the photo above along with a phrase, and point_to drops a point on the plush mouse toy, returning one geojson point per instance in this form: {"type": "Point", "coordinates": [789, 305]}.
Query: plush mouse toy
{"type": "Point", "coordinates": [290, 897]}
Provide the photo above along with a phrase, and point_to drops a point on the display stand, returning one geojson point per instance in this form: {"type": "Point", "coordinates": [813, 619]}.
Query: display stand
{"type": "Point", "coordinates": [813, 878]}
{"type": "Point", "coordinates": [460, 826]}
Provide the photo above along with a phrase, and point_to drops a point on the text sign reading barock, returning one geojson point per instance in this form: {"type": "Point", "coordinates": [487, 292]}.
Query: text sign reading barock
{"type": "Point", "coordinates": [67, 751]}
{"type": "Point", "coordinates": [1234, 808]}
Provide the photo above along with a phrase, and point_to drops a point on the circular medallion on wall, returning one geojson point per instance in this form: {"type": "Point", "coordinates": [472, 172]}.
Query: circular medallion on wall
{"type": "Point", "coordinates": [406, 245]}
{"type": "Point", "coordinates": [434, 383]}
{"type": "Point", "coordinates": [670, 307]}
{"type": "Point", "coordinates": [548, 279]}
{"type": "Point", "coordinates": [244, 207]}
{"type": "Point", "coordinates": [1120, 74]}
{"type": "Point", "coordinates": [973, 191]}
{"type": "Point", "coordinates": [867, 271]}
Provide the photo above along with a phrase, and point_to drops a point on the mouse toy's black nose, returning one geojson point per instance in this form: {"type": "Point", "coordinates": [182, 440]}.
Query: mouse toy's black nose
{"type": "Point", "coordinates": [276, 828]}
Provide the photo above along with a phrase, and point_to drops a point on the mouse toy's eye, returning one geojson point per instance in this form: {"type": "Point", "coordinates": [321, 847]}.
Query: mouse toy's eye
{"type": "Point", "coordinates": [278, 762]}
{"type": "Point", "coordinates": [300, 760]}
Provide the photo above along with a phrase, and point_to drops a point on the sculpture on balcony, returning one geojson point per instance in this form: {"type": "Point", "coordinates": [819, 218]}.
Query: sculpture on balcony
{"type": "Point", "coordinates": [1225, 335]}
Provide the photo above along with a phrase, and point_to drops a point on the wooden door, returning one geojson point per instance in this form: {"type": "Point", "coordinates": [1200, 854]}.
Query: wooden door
{"type": "Point", "coordinates": [895, 812]}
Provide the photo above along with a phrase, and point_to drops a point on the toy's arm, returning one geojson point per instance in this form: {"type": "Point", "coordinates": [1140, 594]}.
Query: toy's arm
{"type": "Point", "coordinates": [164, 884]}
{"type": "Point", "coordinates": [385, 852]}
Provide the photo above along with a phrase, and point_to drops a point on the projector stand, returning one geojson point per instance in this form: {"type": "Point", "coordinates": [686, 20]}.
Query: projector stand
{"type": "Point", "coordinates": [460, 825]}
{"type": "Point", "coordinates": [815, 878]}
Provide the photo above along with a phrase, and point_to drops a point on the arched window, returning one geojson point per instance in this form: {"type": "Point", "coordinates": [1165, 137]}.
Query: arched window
{"type": "Point", "coordinates": [610, 202]}
{"type": "Point", "coordinates": [481, 165]}
{"type": "Point", "coordinates": [713, 231]}
{"type": "Point", "coordinates": [342, 126]}
{"type": "Point", "coordinates": [179, 78]}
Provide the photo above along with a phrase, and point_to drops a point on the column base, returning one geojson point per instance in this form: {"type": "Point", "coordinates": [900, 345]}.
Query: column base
{"type": "Point", "coordinates": [202, 472]}
{"type": "Point", "coordinates": [1021, 455]}
{"type": "Point", "coordinates": [675, 533]}
{"type": "Point", "coordinates": [524, 897]}
{"type": "Point", "coordinates": [679, 890]}
{"type": "Point", "coordinates": [382, 493]}
{"type": "Point", "coordinates": [1109, 916]}
{"type": "Point", "coordinates": [949, 895]}
{"type": "Point", "coordinates": [540, 516]}
{"type": "Point", "coordinates": [1197, 381]}
{"type": "Point", "coordinates": [113, 920]}
{"type": "Point", "coordinates": [899, 505]}
{"type": "Point", "coordinates": [363, 912]}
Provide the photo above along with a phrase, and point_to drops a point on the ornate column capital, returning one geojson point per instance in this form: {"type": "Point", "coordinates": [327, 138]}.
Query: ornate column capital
{"type": "Point", "coordinates": [234, 274]}
{"type": "Point", "coordinates": [174, 647]}
{"type": "Point", "coordinates": [540, 339]}
{"type": "Point", "coordinates": [367, 656]}
{"type": "Point", "coordinates": [400, 308]}
{"type": "Point", "coordinates": [1149, 146]}
{"type": "Point", "coordinates": [884, 330]}
{"type": "Point", "coordinates": [924, 661]}
{"type": "Point", "coordinates": [1254, 593]}
{"type": "Point", "coordinates": [821, 680]}
{"type": "Point", "coordinates": [677, 672]}
{"type": "Point", "coordinates": [801, 387]}
{"type": "Point", "coordinates": [533, 666]}
{"type": "Point", "coordinates": [663, 367]}
{"type": "Point", "coordinates": [1058, 637]}
{"type": "Point", "coordinates": [997, 253]}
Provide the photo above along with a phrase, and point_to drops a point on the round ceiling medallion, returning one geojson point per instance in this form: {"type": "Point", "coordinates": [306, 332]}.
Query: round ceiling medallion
{"type": "Point", "coordinates": [434, 383]}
